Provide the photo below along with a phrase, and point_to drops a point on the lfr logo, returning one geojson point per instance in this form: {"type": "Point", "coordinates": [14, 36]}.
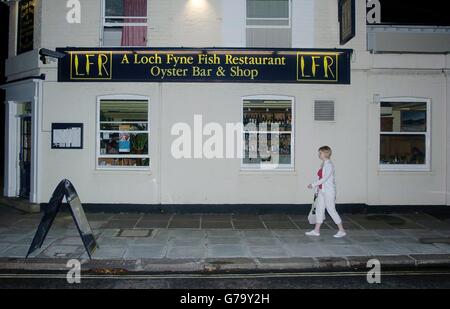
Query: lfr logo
{"type": "Point", "coordinates": [74, 14]}
{"type": "Point", "coordinates": [74, 274]}
{"type": "Point", "coordinates": [313, 66]}
{"type": "Point", "coordinates": [90, 66]}
{"type": "Point", "coordinates": [374, 274]}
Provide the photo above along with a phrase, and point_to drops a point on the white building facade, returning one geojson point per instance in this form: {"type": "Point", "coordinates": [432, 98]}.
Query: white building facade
{"type": "Point", "coordinates": [388, 128]}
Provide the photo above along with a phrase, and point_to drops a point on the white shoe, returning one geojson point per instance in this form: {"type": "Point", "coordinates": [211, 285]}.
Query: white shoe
{"type": "Point", "coordinates": [312, 233]}
{"type": "Point", "coordinates": [340, 234]}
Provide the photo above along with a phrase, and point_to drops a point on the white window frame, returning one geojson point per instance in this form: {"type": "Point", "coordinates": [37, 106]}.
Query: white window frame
{"type": "Point", "coordinates": [270, 26]}
{"type": "Point", "coordinates": [105, 24]}
{"type": "Point", "coordinates": [280, 167]}
{"type": "Point", "coordinates": [98, 136]}
{"type": "Point", "coordinates": [407, 167]}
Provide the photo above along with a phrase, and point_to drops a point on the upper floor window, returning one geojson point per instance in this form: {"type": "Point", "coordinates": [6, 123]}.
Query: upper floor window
{"type": "Point", "coordinates": [125, 23]}
{"type": "Point", "coordinates": [269, 23]}
{"type": "Point", "coordinates": [405, 134]}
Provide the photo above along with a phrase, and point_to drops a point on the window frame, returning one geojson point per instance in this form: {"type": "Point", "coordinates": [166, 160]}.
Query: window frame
{"type": "Point", "coordinates": [247, 26]}
{"type": "Point", "coordinates": [406, 167]}
{"type": "Point", "coordinates": [257, 167]}
{"type": "Point", "coordinates": [105, 24]}
{"type": "Point", "coordinates": [98, 135]}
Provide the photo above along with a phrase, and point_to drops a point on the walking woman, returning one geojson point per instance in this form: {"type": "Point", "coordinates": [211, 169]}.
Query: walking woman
{"type": "Point", "coordinates": [325, 188]}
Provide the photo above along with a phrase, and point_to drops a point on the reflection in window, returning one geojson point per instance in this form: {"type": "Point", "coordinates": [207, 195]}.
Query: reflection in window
{"type": "Point", "coordinates": [267, 133]}
{"type": "Point", "coordinates": [403, 149]}
{"type": "Point", "coordinates": [404, 133]}
{"type": "Point", "coordinates": [123, 134]}
{"type": "Point", "coordinates": [125, 23]}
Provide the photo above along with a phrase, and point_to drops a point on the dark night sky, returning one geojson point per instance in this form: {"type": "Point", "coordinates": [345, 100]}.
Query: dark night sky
{"type": "Point", "coordinates": [415, 12]}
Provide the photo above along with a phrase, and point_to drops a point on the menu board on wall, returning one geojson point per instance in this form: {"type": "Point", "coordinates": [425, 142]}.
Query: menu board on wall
{"type": "Point", "coordinates": [25, 27]}
{"type": "Point", "coordinates": [67, 136]}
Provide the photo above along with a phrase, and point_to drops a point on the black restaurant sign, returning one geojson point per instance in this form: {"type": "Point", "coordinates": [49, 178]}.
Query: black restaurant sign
{"type": "Point", "coordinates": [25, 26]}
{"type": "Point", "coordinates": [331, 66]}
{"type": "Point", "coordinates": [347, 20]}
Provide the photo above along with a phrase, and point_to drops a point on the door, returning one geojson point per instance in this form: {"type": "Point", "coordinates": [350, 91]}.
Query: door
{"type": "Point", "coordinates": [25, 157]}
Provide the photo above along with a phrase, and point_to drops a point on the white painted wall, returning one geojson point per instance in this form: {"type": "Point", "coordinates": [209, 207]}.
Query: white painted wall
{"type": "Point", "coordinates": [233, 23]}
{"type": "Point", "coordinates": [203, 181]}
{"type": "Point", "coordinates": [413, 188]}
{"type": "Point", "coordinates": [354, 136]}
{"type": "Point", "coordinates": [221, 181]}
{"type": "Point", "coordinates": [185, 23]}
{"type": "Point", "coordinates": [57, 32]}
{"type": "Point", "coordinates": [65, 103]}
{"type": "Point", "coordinates": [303, 30]}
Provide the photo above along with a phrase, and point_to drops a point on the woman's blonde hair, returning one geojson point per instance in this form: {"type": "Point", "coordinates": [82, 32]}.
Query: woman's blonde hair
{"type": "Point", "coordinates": [326, 151]}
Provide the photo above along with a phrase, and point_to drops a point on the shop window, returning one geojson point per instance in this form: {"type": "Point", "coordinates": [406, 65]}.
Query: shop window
{"type": "Point", "coordinates": [123, 134]}
{"type": "Point", "coordinates": [268, 136]}
{"type": "Point", "coordinates": [269, 23]}
{"type": "Point", "coordinates": [405, 135]}
{"type": "Point", "coordinates": [125, 23]}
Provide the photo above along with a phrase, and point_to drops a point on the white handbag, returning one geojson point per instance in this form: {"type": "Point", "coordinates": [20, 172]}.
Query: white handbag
{"type": "Point", "coordinates": [312, 212]}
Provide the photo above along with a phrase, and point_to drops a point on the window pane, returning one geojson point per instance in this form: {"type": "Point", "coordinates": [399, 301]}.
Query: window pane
{"type": "Point", "coordinates": [268, 37]}
{"type": "Point", "coordinates": [403, 149]}
{"type": "Point", "coordinates": [123, 162]}
{"type": "Point", "coordinates": [125, 36]}
{"type": "Point", "coordinates": [114, 7]}
{"type": "Point", "coordinates": [267, 8]}
{"type": "Point", "coordinates": [403, 117]}
{"type": "Point", "coordinates": [126, 8]}
{"type": "Point", "coordinates": [123, 143]}
{"type": "Point", "coordinates": [265, 115]}
{"type": "Point", "coordinates": [123, 111]}
{"type": "Point", "coordinates": [267, 149]}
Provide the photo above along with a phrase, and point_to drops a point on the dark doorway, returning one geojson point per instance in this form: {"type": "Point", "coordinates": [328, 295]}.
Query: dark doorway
{"type": "Point", "coordinates": [4, 31]}
{"type": "Point", "coordinates": [25, 157]}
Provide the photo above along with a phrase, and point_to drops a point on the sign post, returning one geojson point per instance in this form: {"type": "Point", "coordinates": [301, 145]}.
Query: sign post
{"type": "Point", "coordinates": [65, 189]}
{"type": "Point", "coordinates": [25, 26]}
{"type": "Point", "coordinates": [347, 20]}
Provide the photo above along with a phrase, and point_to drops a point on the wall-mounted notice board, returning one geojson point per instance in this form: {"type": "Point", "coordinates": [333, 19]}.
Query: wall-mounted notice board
{"type": "Point", "coordinates": [67, 136]}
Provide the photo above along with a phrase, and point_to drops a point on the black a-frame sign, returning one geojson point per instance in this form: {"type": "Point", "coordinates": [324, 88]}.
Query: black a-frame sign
{"type": "Point", "coordinates": [65, 189]}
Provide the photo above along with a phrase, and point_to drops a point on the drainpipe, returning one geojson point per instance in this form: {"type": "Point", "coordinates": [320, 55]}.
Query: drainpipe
{"type": "Point", "coordinates": [446, 72]}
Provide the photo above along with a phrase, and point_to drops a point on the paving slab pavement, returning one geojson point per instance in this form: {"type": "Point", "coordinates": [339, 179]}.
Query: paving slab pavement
{"type": "Point", "coordinates": [211, 242]}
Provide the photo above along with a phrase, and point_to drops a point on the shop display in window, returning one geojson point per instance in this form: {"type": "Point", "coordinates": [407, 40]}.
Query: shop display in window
{"type": "Point", "coordinates": [123, 134]}
{"type": "Point", "coordinates": [267, 132]}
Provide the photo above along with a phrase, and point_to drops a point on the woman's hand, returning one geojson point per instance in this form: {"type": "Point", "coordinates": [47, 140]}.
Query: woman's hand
{"type": "Point", "coordinates": [310, 186]}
